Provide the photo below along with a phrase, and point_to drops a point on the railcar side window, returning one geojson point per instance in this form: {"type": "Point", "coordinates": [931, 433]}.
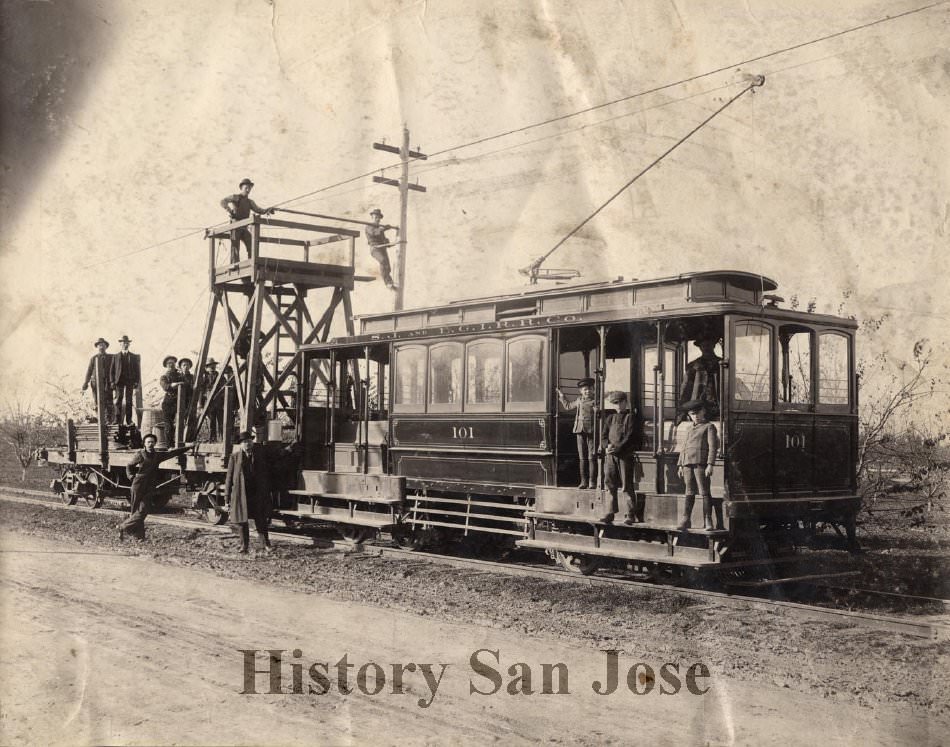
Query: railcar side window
{"type": "Point", "coordinates": [753, 362]}
{"type": "Point", "coordinates": [833, 381]}
{"type": "Point", "coordinates": [484, 362]}
{"type": "Point", "coordinates": [525, 375]}
{"type": "Point", "coordinates": [669, 380]}
{"type": "Point", "coordinates": [410, 378]}
{"type": "Point", "coordinates": [795, 387]}
{"type": "Point", "coordinates": [445, 376]}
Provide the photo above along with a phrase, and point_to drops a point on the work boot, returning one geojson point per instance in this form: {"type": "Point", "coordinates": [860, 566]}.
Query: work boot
{"type": "Point", "coordinates": [245, 539]}
{"type": "Point", "coordinates": [707, 513]}
{"type": "Point", "coordinates": [265, 544]}
{"type": "Point", "coordinates": [686, 523]}
{"type": "Point", "coordinates": [717, 507]}
{"type": "Point", "coordinates": [640, 501]}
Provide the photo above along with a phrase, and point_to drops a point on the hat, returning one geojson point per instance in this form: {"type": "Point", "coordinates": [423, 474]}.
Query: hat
{"type": "Point", "coordinates": [167, 358]}
{"type": "Point", "coordinates": [616, 396]}
{"type": "Point", "coordinates": [709, 339]}
{"type": "Point", "coordinates": [210, 362]}
{"type": "Point", "coordinates": [149, 435]}
{"type": "Point", "coordinates": [585, 382]}
{"type": "Point", "coordinates": [189, 361]}
{"type": "Point", "coordinates": [99, 342]}
{"type": "Point", "coordinates": [693, 405]}
{"type": "Point", "coordinates": [244, 436]}
{"type": "Point", "coordinates": [376, 211]}
{"type": "Point", "coordinates": [245, 181]}
{"type": "Point", "coordinates": [124, 338]}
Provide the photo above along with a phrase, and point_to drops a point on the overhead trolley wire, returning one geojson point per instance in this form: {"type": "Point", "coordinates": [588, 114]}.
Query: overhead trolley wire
{"type": "Point", "coordinates": [559, 118]}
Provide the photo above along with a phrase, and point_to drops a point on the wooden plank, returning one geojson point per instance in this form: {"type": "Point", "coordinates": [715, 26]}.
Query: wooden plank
{"type": "Point", "coordinates": [287, 242]}
{"type": "Point", "coordinates": [316, 228]}
{"type": "Point", "coordinates": [328, 240]}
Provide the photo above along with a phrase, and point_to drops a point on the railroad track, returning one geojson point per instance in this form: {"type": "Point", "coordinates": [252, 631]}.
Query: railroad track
{"type": "Point", "coordinates": [932, 627]}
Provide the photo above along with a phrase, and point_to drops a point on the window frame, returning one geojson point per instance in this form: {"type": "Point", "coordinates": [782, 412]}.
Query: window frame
{"type": "Point", "coordinates": [485, 406]}
{"type": "Point", "coordinates": [410, 407]}
{"type": "Point", "coordinates": [780, 403]}
{"type": "Point", "coordinates": [848, 406]}
{"type": "Point", "coordinates": [444, 406]}
{"type": "Point", "coordinates": [734, 403]}
{"type": "Point", "coordinates": [539, 405]}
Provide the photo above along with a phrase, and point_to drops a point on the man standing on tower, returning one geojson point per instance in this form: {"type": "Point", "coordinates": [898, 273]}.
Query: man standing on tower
{"type": "Point", "coordinates": [126, 377]}
{"type": "Point", "coordinates": [378, 245]}
{"type": "Point", "coordinates": [239, 207]}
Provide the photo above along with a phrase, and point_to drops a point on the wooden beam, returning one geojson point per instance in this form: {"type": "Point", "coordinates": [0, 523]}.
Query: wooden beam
{"type": "Point", "coordinates": [277, 223]}
{"type": "Point", "coordinates": [288, 242]}
{"type": "Point", "coordinates": [253, 360]}
{"type": "Point", "coordinates": [279, 316]}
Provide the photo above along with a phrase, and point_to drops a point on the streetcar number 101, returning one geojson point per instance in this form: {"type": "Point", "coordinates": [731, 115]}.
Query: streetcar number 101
{"type": "Point", "coordinates": [463, 431]}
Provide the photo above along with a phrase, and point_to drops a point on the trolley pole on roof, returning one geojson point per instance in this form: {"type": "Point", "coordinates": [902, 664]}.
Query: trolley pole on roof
{"type": "Point", "coordinates": [406, 155]}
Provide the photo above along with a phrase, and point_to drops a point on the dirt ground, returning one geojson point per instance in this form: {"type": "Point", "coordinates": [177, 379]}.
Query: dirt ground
{"type": "Point", "coordinates": [111, 643]}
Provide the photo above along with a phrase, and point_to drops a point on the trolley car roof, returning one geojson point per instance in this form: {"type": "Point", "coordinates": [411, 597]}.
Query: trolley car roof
{"type": "Point", "coordinates": [689, 294]}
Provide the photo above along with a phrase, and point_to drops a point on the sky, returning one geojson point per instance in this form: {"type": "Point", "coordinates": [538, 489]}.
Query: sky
{"type": "Point", "coordinates": [126, 123]}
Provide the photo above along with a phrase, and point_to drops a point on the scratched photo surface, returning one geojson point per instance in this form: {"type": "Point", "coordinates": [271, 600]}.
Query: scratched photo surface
{"type": "Point", "coordinates": [125, 124]}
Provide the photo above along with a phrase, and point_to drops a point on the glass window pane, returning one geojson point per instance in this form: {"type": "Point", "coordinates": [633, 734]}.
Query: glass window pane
{"type": "Point", "coordinates": [833, 381]}
{"type": "Point", "coordinates": [484, 372]}
{"type": "Point", "coordinates": [319, 395]}
{"type": "Point", "coordinates": [445, 374]}
{"type": "Point", "coordinates": [753, 362]}
{"type": "Point", "coordinates": [669, 379]}
{"type": "Point", "coordinates": [796, 366]}
{"type": "Point", "coordinates": [526, 370]}
{"type": "Point", "coordinates": [410, 375]}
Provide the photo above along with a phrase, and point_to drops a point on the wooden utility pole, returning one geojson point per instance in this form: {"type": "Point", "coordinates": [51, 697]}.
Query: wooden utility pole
{"type": "Point", "coordinates": [405, 156]}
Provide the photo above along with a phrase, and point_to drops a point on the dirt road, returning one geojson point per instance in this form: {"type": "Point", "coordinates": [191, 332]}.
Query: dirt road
{"type": "Point", "coordinates": [104, 648]}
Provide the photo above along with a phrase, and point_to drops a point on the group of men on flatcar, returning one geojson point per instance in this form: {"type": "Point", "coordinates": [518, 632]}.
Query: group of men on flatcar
{"type": "Point", "coordinates": [619, 439]}
{"type": "Point", "coordinates": [121, 376]}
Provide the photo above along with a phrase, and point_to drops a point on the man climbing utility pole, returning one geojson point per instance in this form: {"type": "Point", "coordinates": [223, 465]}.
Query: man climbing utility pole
{"type": "Point", "coordinates": [405, 156]}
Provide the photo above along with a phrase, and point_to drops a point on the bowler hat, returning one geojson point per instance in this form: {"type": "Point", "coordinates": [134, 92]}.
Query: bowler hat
{"type": "Point", "coordinates": [167, 358]}
{"type": "Point", "coordinates": [376, 211]}
{"type": "Point", "coordinates": [693, 405]}
{"type": "Point", "coordinates": [149, 435]}
{"type": "Point", "coordinates": [124, 338]}
{"type": "Point", "coordinates": [616, 396]}
{"type": "Point", "coordinates": [245, 181]}
{"type": "Point", "coordinates": [585, 382]}
{"type": "Point", "coordinates": [245, 436]}
{"type": "Point", "coordinates": [210, 362]}
{"type": "Point", "coordinates": [189, 361]}
{"type": "Point", "coordinates": [99, 342]}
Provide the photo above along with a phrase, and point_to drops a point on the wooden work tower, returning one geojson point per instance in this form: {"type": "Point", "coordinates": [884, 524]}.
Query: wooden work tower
{"type": "Point", "coordinates": [283, 296]}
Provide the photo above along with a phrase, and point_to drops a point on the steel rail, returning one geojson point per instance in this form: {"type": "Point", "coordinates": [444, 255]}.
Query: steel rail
{"type": "Point", "coordinates": [934, 629]}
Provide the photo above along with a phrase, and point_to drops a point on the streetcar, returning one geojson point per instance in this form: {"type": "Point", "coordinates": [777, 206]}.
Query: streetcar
{"type": "Point", "coordinates": [442, 423]}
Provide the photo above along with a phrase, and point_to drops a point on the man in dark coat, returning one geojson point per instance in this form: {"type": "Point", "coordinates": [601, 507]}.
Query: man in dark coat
{"type": "Point", "coordinates": [105, 371]}
{"type": "Point", "coordinates": [248, 486]}
{"type": "Point", "coordinates": [143, 471]}
{"type": "Point", "coordinates": [170, 382]}
{"type": "Point", "coordinates": [702, 379]}
{"type": "Point", "coordinates": [126, 378]}
{"type": "Point", "coordinates": [620, 437]}
{"type": "Point", "coordinates": [239, 207]}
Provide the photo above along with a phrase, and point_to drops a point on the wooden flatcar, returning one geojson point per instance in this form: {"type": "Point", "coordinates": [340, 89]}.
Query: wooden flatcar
{"type": "Point", "coordinates": [442, 422]}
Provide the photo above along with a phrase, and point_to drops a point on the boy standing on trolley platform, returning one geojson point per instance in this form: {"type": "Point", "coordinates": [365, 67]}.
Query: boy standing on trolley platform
{"type": "Point", "coordinates": [584, 430]}
{"type": "Point", "coordinates": [695, 465]}
{"type": "Point", "coordinates": [620, 442]}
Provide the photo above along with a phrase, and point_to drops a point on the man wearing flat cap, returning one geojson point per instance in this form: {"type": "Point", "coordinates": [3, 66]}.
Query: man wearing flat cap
{"type": "Point", "coordinates": [620, 436]}
{"type": "Point", "coordinates": [104, 361]}
{"type": "Point", "coordinates": [239, 207]}
{"type": "Point", "coordinates": [126, 378]}
{"type": "Point", "coordinates": [584, 430]}
{"type": "Point", "coordinates": [247, 487]}
{"type": "Point", "coordinates": [379, 245]}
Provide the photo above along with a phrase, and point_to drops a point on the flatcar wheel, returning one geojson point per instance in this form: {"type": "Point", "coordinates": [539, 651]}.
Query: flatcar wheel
{"type": "Point", "coordinates": [576, 563]}
{"type": "Point", "coordinates": [356, 534]}
{"type": "Point", "coordinates": [214, 515]}
{"type": "Point", "coordinates": [68, 498]}
{"type": "Point", "coordinates": [409, 538]}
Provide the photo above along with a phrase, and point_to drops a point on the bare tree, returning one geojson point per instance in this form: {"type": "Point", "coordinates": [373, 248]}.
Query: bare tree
{"type": "Point", "coordinates": [26, 430]}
